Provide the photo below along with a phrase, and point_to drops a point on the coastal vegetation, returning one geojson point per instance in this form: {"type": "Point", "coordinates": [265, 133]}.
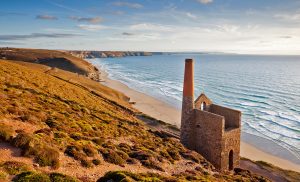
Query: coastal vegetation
{"type": "Point", "coordinates": [56, 125]}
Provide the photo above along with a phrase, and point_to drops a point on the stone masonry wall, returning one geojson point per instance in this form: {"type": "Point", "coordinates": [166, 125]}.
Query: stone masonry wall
{"type": "Point", "coordinates": [186, 120]}
{"type": "Point", "coordinates": [207, 136]}
{"type": "Point", "coordinates": [232, 117]}
{"type": "Point", "coordinates": [231, 141]}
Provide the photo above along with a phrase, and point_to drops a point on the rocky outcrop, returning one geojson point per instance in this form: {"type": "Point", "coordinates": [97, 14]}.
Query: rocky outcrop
{"type": "Point", "coordinates": [107, 54]}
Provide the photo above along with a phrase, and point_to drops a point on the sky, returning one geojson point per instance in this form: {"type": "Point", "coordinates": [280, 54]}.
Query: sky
{"type": "Point", "coordinates": [230, 26]}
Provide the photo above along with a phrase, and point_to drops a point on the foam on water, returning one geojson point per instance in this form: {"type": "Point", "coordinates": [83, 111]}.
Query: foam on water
{"type": "Point", "coordinates": [265, 88]}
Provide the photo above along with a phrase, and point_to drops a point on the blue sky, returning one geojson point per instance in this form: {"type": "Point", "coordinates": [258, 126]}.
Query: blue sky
{"type": "Point", "coordinates": [239, 26]}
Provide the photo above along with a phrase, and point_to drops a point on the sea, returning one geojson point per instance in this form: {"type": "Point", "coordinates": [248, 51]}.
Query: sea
{"type": "Point", "coordinates": [265, 88]}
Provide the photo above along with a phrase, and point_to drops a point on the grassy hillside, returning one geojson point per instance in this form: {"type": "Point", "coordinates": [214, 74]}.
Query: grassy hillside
{"type": "Point", "coordinates": [54, 123]}
{"type": "Point", "coordinates": [52, 58]}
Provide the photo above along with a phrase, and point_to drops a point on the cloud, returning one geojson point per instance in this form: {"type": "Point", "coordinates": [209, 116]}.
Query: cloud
{"type": "Point", "coordinates": [190, 15]}
{"type": "Point", "coordinates": [205, 1]}
{"type": "Point", "coordinates": [127, 34]}
{"type": "Point", "coordinates": [150, 27]}
{"type": "Point", "coordinates": [87, 19]}
{"type": "Point", "coordinates": [46, 17]}
{"type": "Point", "coordinates": [36, 35]}
{"type": "Point", "coordinates": [289, 17]}
{"type": "Point", "coordinates": [91, 27]}
{"type": "Point", "coordinates": [285, 37]}
{"type": "Point", "coordinates": [127, 4]}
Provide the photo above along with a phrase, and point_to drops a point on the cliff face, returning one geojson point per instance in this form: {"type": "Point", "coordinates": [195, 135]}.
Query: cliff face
{"type": "Point", "coordinates": [107, 54]}
{"type": "Point", "coordinates": [52, 58]}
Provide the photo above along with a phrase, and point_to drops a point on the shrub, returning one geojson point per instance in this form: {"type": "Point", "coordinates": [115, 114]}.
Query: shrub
{"type": "Point", "coordinates": [89, 150]}
{"type": "Point", "coordinates": [75, 152]}
{"type": "Point", "coordinates": [174, 154]}
{"type": "Point", "coordinates": [47, 156]}
{"type": "Point", "coordinates": [51, 122]}
{"type": "Point", "coordinates": [58, 177]}
{"type": "Point", "coordinates": [125, 176]}
{"type": "Point", "coordinates": [22, 140]}
{"type": "Point", "coordinates": [31, 177]}
{"type": "Point", "coordinates": [152, 164]}
{"type": "Point", "coordinates": [96, 162]}
{"type": "Point", "coordinates": [14, 167]}
{"type": "Point", "coordinates": [113, 176]}
{"type": "Point", "coordinates": [113, 157]}
{"type": "Point", "coordinates": [6, 132]}
{"type": "Point", "coordinates": [98, 141]}
{"type": "Point", "coordinates": [86, 163]}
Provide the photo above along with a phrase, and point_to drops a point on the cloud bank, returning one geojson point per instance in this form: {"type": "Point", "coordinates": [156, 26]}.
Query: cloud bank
{"type": "Point", "coordinates": [36, 35]}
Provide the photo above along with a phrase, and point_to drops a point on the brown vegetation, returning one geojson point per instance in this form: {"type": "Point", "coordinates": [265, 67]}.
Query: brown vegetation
{"type": "Point", "coordinates": [89, 128]}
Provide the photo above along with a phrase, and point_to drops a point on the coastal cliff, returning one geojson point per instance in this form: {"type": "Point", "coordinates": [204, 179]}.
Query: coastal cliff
{"type": "Point", "coordinates": [107, 54]}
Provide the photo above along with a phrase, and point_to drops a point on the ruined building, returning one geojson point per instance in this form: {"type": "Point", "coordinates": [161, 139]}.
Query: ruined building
{"type": "Point", "coordinates": [210, 129]}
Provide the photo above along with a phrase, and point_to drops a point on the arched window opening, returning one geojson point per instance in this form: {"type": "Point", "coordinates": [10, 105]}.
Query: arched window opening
{"type": "Point", "coordinates": [230, 160]}
{"type": "Point", "coordinates": [203, 106]}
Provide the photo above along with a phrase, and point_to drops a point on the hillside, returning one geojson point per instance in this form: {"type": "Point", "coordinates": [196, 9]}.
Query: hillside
{"type": "Point", "coordinates": [53, 122]}
{"type": "Point", "coordinates": [52, 58]}
{"type": "Point", "coordinates": [107, 54]}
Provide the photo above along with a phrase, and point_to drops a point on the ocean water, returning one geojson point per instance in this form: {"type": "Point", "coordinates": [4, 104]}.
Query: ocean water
{"type": "Point", "coordinates": [265, 88]}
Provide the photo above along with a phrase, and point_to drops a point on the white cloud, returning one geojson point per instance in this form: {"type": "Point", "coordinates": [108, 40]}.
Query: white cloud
{"type": "Point", "coordinates": [289, 17]}
{"type": "Point", "coordinates": [150, 27]}
{"type": "Point", "coordinates": [205, 1]}
{"type": "Point", "coordinates": [91, 27]}
{"type": "Point", "coordinates": [190, 15]}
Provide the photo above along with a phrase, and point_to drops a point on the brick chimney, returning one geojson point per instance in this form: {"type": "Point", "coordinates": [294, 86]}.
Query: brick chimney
{"type": "Point", "coordinates": [187, 102]}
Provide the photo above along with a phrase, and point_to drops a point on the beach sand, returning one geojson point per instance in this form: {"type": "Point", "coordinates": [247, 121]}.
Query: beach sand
{"type": "Point", "coordinates": [252, 147]}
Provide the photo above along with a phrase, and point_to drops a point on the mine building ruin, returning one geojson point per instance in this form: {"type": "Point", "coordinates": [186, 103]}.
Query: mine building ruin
{"type": "Point", "coordinates": [209, 129]}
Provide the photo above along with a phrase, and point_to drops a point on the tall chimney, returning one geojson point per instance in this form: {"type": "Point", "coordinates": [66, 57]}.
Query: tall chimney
{"type": "Point", "coordinates": [187, 102]}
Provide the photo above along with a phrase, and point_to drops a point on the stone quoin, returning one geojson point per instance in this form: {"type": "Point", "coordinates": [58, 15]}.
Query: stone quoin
{"type": "Point", "coordinates": [209, 129]}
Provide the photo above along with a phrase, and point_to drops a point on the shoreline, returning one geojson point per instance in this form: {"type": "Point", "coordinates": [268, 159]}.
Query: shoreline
{"type": "Point", "coordinates": [252, 147]}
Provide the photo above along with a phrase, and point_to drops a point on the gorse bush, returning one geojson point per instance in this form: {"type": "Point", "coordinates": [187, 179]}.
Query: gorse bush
{"type": "Point", "coordinates": [58, 177]}
{"type": "Point", "coordinates": [31, 176]}
{"type": "Point", "coordinates": [6, 132]}
{"type": "Point", "coordinates": [14, 167]}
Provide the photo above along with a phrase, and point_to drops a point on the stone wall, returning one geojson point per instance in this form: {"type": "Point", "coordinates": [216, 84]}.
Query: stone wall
{"type": "Point", "coordinates": [186, 120]}
{"type": "Point", "coordinates": [207, 136]}
{"type": "Point", "coordinates": [202, 98]}
{"type": "Point", "coordinates": [231, 141]}
{"type": "Point", "coordinates": [232, 117]}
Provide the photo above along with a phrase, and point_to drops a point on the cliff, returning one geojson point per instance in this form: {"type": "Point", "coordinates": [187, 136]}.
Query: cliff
{"type": "Point", "coordinates": [52, 58]}
{"type": "Point", "coordinates": [107, 54]}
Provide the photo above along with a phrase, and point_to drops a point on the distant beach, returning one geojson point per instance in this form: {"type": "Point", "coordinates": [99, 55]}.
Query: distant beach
{"type": "Point", "coordinates": [252, 147]}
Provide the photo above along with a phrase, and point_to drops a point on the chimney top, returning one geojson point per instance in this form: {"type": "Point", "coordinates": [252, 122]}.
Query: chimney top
{"type": "Point", "coordinates": [189, 60]}
{"type": "Point", "coordinates": [188, 83]}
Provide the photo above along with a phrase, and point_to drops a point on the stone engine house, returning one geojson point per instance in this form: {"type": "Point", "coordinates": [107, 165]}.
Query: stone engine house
{"type": "Point", "coordinates": [210, 129]}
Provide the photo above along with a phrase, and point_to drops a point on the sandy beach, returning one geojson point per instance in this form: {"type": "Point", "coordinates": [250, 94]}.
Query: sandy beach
{"type": "Point", "coordinates": [252, 147]}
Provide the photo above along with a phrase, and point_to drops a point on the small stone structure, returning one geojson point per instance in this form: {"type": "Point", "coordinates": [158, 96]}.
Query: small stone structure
{"type": "Point", "coordinates": [210, 129]}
